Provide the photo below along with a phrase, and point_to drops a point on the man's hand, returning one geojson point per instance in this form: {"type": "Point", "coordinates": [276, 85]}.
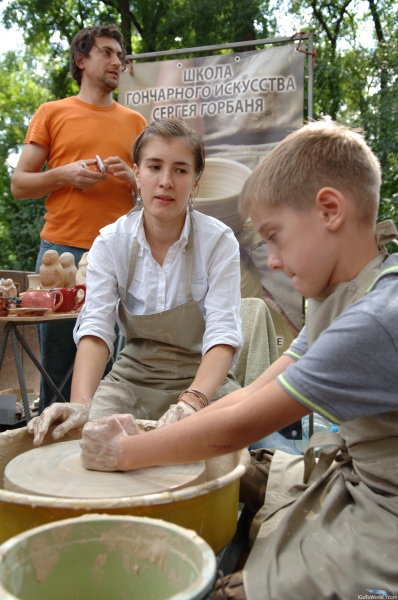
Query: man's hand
{"type": "Point", "coordinates": [79, 175]}
{"type": "Point", "coordinates": [101, 442]}
{"type": "Point", "coordinates": [30, 181]}
{"type": "Point", "coordinates": [72, 416]}
{"type": "Point", "coordinates": [118, 168]}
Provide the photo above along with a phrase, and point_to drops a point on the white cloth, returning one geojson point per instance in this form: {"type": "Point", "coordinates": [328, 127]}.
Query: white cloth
{"type": "Point", "coordinates": [155, 288]}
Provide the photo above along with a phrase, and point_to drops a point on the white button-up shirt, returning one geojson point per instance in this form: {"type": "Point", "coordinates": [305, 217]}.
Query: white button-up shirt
{"type": "Point", "coordinates": [154, 288]}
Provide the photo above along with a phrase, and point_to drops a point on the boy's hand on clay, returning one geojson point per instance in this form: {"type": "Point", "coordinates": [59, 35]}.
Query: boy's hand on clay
{"type": "Point", "coordinates": [101, 445]}
{"type": "Point", "coordinates": [72, 416]}
{"type": "Point", "coordinates": [175, 413]}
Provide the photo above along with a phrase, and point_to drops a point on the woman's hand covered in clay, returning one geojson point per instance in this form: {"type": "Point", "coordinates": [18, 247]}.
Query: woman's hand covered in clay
{"type": "Point", "coordinates": [175, 413]}
{"type": "Point", "coordinates": [72, 416]}
{"type": "Point", "coordinates": [101, 445]}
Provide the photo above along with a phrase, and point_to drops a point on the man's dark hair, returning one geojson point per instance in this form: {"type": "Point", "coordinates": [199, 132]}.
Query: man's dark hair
{"type": "Point", "coordinates": [84, 40]}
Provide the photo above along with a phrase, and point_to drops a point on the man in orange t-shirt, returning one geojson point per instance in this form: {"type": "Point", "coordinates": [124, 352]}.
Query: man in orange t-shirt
{"type": "Point", "coordinates": [66, 135]}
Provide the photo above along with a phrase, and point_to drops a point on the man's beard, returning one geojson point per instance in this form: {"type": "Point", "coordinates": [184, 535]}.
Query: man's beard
{"type": "Point", "coordinates": [109, 83]}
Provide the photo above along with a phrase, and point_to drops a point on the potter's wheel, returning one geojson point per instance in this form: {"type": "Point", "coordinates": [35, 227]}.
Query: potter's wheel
{"type": "Point", "coordinates": [56, 470]}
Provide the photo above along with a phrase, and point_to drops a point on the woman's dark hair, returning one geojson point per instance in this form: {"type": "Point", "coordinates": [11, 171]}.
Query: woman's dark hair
{"type": "Point", "coordinates": [84, 40]}
{"type": "Point", "coordinates": [170, 129]}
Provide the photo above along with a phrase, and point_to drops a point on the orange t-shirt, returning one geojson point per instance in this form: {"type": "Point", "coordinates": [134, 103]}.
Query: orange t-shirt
{"type": "Point", "coordinates": [73, 130]}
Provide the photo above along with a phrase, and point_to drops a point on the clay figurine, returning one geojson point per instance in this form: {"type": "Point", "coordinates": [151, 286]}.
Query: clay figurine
{"type": "Point", "coordinates": [51, 271]}
{"type": "Point", "coordinates": [67, 261]}
{"type": "Point", "coordinates": [7, 286]}
{"type": "Point", "coordinates": [81, 273]}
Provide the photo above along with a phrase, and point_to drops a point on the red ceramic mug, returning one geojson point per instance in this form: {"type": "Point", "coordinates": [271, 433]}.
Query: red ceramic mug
{"type": "Point", "coordinates": [70, 301]}
{"type": "Point", "coordinates": [42, 299]}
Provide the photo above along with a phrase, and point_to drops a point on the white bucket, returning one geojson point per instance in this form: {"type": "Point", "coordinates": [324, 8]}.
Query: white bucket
{"type": "Point", "coordinates": [104, 557]}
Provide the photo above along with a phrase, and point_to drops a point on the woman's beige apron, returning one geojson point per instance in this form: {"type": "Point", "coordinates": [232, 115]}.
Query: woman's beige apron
{"type": "Point", "coordinates": [162, 355]}
{"type": "Point", "coordinates": [329, 528]}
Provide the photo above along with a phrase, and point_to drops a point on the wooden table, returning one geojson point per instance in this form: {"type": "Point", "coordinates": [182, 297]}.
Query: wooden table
{"type": "Point", "coordinates": [11, 328]}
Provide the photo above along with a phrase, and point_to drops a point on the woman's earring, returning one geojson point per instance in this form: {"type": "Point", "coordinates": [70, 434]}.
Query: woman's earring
{"type": "Point", "coordinates": [190, 204]}
{"type": "Point", "coordinates": [138, 201]}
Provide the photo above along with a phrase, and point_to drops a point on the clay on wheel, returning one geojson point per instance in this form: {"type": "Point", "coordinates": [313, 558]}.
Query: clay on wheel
{"type": "Point", "coordinates": [56, 470]}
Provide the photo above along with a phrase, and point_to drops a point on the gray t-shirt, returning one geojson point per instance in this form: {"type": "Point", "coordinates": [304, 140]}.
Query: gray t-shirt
{"type": "Point", "coordinates": [352, 369]}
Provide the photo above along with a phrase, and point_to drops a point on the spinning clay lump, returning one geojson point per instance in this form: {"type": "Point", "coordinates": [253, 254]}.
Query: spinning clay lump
{"type": "Point", "coordinates": [56, 470]}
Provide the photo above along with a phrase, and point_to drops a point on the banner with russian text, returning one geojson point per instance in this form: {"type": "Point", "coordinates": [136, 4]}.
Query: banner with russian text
{"type": "Point", "coordinates": [242, 104]}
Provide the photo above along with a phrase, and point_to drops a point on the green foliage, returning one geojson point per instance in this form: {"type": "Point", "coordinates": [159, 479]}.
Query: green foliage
{"type": "Point", "coordinates": [357, 84]}
{"type": "Point", "coordinates": [354, 82]}
{"type": "Point", "coordinates": [22, 90]}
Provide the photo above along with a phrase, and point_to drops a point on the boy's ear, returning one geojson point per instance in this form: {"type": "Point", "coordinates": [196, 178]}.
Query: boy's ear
{"type": "Point", "coordinates": [332, 207]}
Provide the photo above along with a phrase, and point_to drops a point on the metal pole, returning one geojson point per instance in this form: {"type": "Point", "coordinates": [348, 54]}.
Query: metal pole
{"type": "Point", "coordinates": [297, 36]}
{"type": "Point", "coordinates": [39, 366]}
{"type": "Point", "coordinates": [21, 377]}
{"type": "Point", "coordinates": [310, 85]}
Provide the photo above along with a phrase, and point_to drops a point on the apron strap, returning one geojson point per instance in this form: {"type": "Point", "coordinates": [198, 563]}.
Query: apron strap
{"type": "Point", "coordinates": [188, 265]}
{"type": "Point", "coordinates": [132, 262]}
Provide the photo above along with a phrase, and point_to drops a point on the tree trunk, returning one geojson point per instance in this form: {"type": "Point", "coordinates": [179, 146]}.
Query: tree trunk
{"type": "Point", "coordinates": [124, 10]}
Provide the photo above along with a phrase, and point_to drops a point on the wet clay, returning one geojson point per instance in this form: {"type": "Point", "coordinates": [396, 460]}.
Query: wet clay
{"type": "Point", "coordinates": [56, 470]}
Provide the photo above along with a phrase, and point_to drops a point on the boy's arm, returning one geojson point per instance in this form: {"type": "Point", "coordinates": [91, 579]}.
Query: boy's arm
{"type": "Point", "coordinates": [29, 181]}
{"type": "Point", "coordinates": [201, 436]}
{"type": "Point", "coordinates": [270, 374]}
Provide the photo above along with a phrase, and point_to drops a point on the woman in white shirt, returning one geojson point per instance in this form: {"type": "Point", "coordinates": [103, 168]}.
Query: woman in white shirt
{"type": "Point", "coordinates": [170, 276]}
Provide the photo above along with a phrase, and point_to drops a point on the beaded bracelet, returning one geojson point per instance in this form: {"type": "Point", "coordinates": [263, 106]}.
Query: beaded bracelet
{"type": "Point", "coordinates": [185, 401]}
{"type": "Point", "coordinates": [203, 401]}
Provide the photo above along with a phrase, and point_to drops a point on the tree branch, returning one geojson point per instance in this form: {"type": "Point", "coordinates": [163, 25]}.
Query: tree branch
{"type": "Point", "coordinates": [318, 14]}
{"type": "Point", "coordinates": [376, 20]}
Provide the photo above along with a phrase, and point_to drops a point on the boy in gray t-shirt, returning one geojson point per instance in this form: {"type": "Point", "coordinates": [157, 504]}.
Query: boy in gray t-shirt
{"type": "Point", "coordinates": [328, 528]}
{"type": "Point", "coordinates": [364, 335]}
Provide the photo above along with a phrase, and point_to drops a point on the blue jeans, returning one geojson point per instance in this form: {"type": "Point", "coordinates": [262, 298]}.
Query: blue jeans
{"type": "Point", "coordinates": [276, 441]}
{"type": "Point", "coordinates": [57, 347]}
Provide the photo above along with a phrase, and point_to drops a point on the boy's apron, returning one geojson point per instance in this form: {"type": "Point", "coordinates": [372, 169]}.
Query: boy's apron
{"type": "Point", "coordinates": [162, 355]}
{"type": "Point", "coordinates": [317, 514]}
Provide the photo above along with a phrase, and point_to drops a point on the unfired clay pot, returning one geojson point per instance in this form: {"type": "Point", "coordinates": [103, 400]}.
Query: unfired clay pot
{"type": "Point", "coordinates": [34, 281]}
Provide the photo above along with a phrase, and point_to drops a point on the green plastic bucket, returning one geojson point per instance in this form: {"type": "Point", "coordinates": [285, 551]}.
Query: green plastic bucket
{"type": "Point", "coordinates": [104, 557]}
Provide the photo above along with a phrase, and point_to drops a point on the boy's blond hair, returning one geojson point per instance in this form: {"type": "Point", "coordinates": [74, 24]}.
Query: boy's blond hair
{"type": "Point", "coordinates": [320, 154]}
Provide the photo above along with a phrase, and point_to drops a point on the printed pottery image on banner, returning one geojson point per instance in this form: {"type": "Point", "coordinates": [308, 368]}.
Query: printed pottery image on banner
{"type": "Point", "coordinates": [219, 189]}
